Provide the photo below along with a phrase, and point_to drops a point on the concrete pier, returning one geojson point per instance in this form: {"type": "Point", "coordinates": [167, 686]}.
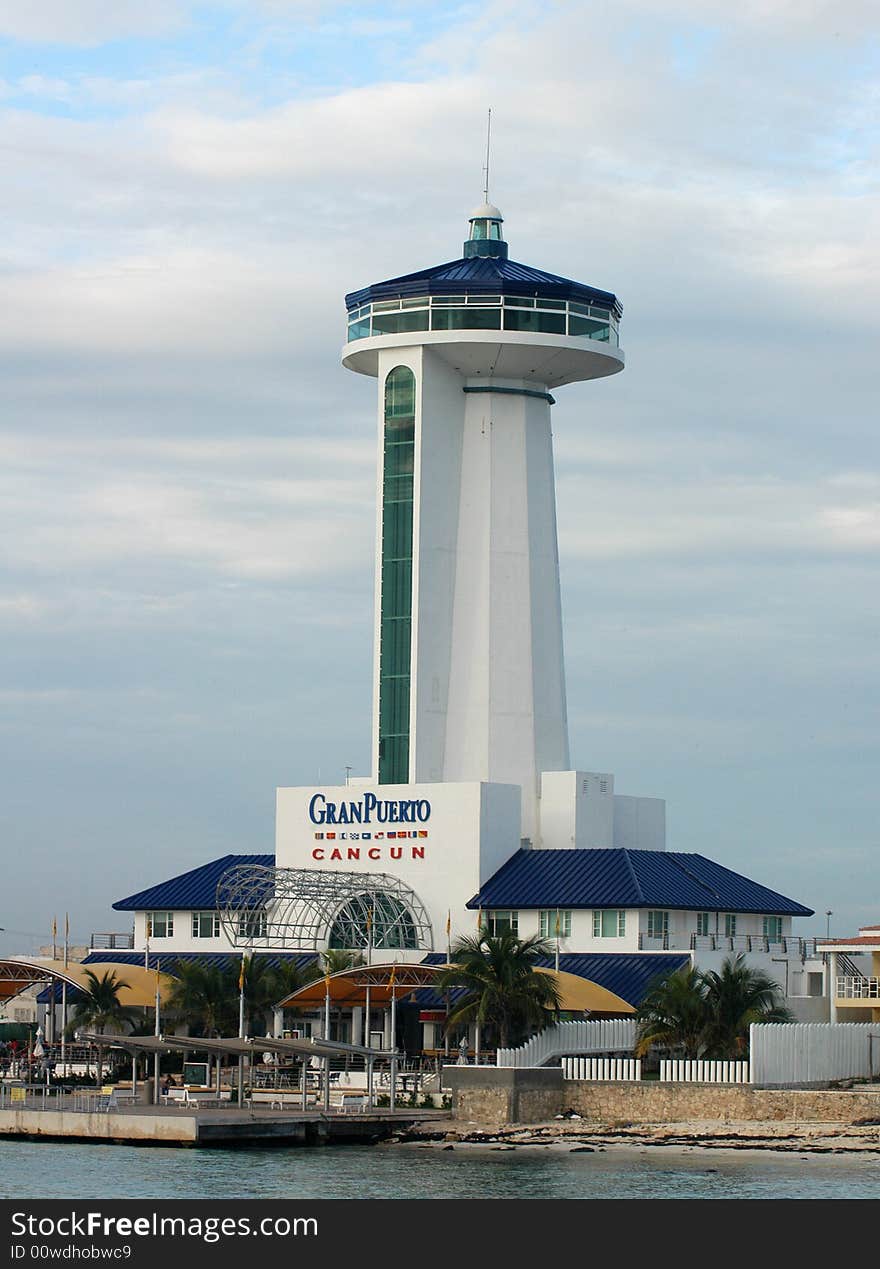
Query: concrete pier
{"type": "Point", "coordinates": [228, 1128]}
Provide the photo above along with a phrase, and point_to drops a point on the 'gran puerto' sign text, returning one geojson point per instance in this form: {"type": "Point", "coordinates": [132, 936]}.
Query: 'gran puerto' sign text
{"type": "Point", "coordinates": [369, 809]}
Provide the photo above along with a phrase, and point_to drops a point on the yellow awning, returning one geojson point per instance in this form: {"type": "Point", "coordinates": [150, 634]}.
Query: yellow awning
{"type": "Point", "coordinates": [348, 988]}
{"type": "Point", "coordinates": [579, 994]}
{"type": "Point", "coordinates": [138, 990]}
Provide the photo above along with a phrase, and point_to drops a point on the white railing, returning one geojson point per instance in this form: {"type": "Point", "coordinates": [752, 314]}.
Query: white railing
{"type": "Point", "coordinates": [701, 1071]}
{"type": "Point", "coordinates": [570, 1039]}
{"type": "Point", "coordinates": [788, 944]}
{"type": "Point", "coordinates": [586, 1068]}
{"type": "Point", "coordinates": [848, 987]}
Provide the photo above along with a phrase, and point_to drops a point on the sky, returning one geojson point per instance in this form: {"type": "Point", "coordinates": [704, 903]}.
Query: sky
{"type": "Point", "coordinates": [187, 472]}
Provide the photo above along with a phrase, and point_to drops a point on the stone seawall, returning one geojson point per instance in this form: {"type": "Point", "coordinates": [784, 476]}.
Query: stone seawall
{"type": "Point", "coordinates": [680, 1103]}
{"type": "Point", "coordinates": [528, 1096]}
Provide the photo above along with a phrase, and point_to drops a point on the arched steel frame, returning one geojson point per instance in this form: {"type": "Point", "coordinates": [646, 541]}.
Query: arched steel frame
{"type": "Point", "coordinates": [296, 908]}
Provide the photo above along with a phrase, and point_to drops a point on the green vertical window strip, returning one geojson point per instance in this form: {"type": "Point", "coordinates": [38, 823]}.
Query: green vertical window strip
{"type": "Point", "coordinates": [397, 537]}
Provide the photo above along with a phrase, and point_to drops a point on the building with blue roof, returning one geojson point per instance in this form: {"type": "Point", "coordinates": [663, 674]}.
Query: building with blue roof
{"type": "Point", "coordinates": [472, 815]}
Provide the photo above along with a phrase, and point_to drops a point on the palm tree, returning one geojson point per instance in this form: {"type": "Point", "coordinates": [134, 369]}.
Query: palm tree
{"type": "Point", "coordinates": [265, 985]}
{"type": "Point", "coordinates": [673, 1014]}
{"type": "Point", "coordinates": [101, 1008]}
{"type": "Point", "coordinates": [289, 976]}
{"type": "Point", "coordinates": [335, 959]}
{"type": "Point", "coordinates": [501, 991]}
{"type": "Point", "coordinates": [708, 1014]}
{"type": "Point", "coordinates": [735, 998]}
{"type": "Point", "coordinates": [206, 997]}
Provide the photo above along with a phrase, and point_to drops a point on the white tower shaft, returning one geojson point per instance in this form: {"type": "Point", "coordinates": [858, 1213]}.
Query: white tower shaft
{"type": "Point", "coordinates": [469, 681]}
{"type": "Point", "coordinates": [487, 682]}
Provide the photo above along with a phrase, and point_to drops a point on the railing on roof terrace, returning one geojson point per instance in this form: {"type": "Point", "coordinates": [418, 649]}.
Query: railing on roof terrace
{"type": "Point", "coordinates": [848, 987]}
{"type": "Point", "coordinates": [609, 1035]}
{"type": "Point", "coordinates": [110, 942]}
{"type": "Point", "coordinates": [789, 946]}
{"type": "Point", "coordinates": [483, 312]}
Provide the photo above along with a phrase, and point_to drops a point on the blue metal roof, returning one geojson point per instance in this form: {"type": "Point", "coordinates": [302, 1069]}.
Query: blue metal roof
{"type": "Point", "coordinates": [165, 961]}
{"type": "Point", "coordinates": [627, 879]}
{"type": "Point", "coordinates": [485, 276]}
{"type": "Point", "coordinates": [191, 890]}
{"type": "Point", "coordinates": [627, 974]}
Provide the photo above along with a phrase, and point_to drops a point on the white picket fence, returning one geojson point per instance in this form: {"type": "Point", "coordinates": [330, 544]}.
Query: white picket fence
{"type": "Point", "coordinates": [608, 1035]}
{"type": "Point", "coordinates": [681, 1071]}
{"type": "Point", "coordinates": [585, 1068]}
{"type": "Point", "coordinates": [800, 1053]}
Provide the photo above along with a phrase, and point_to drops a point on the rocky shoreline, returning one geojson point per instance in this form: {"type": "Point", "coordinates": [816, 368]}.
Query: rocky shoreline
{"type": "Point", "coordinates": [574, 1134]}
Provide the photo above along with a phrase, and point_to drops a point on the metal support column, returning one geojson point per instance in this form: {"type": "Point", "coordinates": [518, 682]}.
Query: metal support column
{"type": "Point", "coordinates": [157, 1088]}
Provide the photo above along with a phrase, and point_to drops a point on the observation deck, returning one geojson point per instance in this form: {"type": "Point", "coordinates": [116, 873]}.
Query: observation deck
{"type": "Point", "coordinates": [488, 315]}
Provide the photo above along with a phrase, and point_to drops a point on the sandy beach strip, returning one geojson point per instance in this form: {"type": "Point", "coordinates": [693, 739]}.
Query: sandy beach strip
{"type": "Point", "coordinates": [705, 1135]}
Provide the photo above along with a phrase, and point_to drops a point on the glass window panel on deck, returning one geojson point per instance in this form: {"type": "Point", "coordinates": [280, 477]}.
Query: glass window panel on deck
{"type": "Point", "coordinates": [523, 319]}
{"type": "Point", "coordinates": [399, 323]}
{"type": "Point", "coordinates": [466, 319]}
{"type": "Point", "coordinates": [587, 326]}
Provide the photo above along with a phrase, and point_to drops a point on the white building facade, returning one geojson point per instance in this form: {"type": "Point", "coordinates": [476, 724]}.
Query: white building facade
{"type": "Point", "coordinates": [472, 801]}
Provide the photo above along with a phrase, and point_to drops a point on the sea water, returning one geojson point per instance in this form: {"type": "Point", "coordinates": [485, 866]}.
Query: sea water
{"type": "Point", "coordinates": [60, 1170]}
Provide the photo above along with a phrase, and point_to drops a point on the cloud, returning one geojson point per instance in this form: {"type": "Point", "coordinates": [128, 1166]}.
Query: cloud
{"type": "Point", "coordinates": [90, 22]}
{"type": "Point", "coordinates": [187, 473]}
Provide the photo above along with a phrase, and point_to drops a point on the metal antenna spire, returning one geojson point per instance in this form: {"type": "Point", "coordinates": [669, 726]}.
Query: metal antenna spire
{"type": "Point", "coordinates": [486, 168]}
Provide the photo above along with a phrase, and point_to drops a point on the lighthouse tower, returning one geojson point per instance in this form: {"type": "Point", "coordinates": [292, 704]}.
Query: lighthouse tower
{"type": "Point", "coordinates": [469, 681]}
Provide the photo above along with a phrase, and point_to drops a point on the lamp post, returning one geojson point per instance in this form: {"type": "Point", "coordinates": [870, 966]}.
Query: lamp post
{"type": "Point", "coordinates": [828, 915]}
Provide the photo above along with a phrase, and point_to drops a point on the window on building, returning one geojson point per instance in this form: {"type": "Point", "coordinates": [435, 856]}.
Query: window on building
{"type": "Point", "coordinates": [609, 923]}
{"type": "Point", "coordinates": [554, 923]}
{"type": "Point", "coordinates": [500, 921]}
{"type": "Point", "coordinates": [252, 925]}
{"type": "Point", "coordinates": [658, 925]}
{"type": "Point", "coordinates": [773, 928]}
{"type": "Point", "coordinates": [206, 925]}
{"type": "Point", "coordinates": [703, 924]}
{"type": "Point", "coordinates": [160, 925]}
{"type": "Point", "coordinates": [398, 465]}
{"type": "Point", "coordinates": [482, 230]}
{"type": "Point", "coordinates": [730, 925]}
{"type": "Point", "coordinates": [376, 920]}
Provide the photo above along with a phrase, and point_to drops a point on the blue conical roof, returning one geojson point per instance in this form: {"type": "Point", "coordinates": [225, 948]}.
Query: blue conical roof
{"type": "Point", "coordinates": [482, 275]}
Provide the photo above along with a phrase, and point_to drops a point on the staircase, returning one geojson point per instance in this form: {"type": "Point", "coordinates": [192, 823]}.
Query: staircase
{"type": "Point", "coordinates": [572, 1039]}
